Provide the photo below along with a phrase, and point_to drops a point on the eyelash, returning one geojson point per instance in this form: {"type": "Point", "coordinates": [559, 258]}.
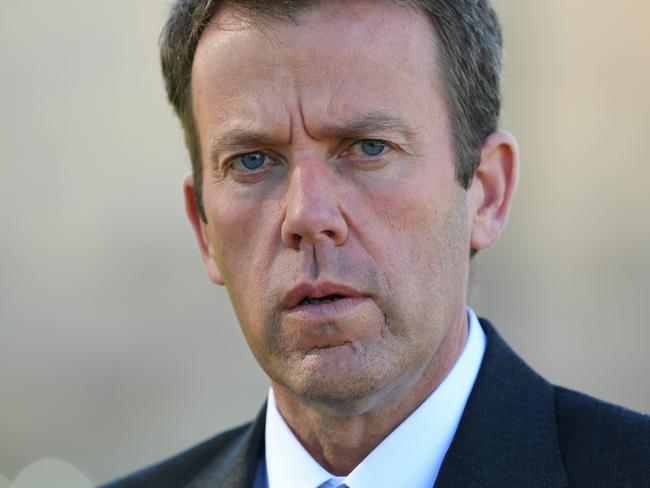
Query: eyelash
{"type": "Point", "coordinates": [233, 161]}
{"type": "Point", "coordinates": [387, 147]}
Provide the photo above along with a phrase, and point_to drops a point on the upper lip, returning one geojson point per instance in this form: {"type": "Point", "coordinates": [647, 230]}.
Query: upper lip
{"type": "Point", "coordinates": [317, 289]}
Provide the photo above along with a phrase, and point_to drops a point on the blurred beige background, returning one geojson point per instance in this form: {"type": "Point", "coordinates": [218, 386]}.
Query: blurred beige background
{"type": "Point", "coordinates": [115, 349]}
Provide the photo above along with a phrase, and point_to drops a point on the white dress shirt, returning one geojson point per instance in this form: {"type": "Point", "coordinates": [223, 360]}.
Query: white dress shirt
{"type": "Point", "coordinates": [410, 456]}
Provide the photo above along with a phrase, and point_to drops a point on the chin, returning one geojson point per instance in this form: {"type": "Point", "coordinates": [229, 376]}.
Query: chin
{"type": "Point", "coordinates": [348, 393]}
{"type": "Point", "coordinates": [341, 402]}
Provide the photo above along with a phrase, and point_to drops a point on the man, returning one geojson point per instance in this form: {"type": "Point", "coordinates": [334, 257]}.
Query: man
{"type": "Point", "coordinates": [346, 165]}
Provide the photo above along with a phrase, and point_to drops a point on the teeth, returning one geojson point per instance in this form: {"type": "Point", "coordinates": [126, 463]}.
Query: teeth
{"type": "Point", "coordinates": [318, 301]}
{"type": "Point", "coordinates": [315, 301]}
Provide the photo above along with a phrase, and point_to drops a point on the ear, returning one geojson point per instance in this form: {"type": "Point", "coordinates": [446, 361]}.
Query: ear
{"type": "Point", "coordinates": [201, 230]}
{"type": "Point", "coordinates": [492, 189]}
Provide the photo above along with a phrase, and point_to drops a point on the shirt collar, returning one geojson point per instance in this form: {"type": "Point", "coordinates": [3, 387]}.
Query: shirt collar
{"type": "Point", "coordinates": [430, 428]}
{"type": "Point", "coordinates": [288, 464]}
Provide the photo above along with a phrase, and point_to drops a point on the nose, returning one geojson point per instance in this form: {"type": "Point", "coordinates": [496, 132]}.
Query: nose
{"type": "Point", "coordinates": [313, 211]}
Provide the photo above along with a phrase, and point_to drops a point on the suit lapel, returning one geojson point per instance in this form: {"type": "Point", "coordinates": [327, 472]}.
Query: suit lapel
{"type": "Point", "coordinates": [507, 436]}
{"type": "Point", "coordinates": [455, 475]}
{"type": "Point", "coordinates": [237, 467]}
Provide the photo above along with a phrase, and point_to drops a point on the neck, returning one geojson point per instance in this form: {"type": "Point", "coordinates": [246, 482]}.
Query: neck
{"type": "Point", "coordinates": [340, 437]}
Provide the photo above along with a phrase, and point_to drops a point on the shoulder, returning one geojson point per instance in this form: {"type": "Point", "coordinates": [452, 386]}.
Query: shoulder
{"type": "Point", "coordinates": [601, 441]}
{"type": "Point", "coordinates": [183, 467]}
{"type": "Point", "coordinates": [544, 430]}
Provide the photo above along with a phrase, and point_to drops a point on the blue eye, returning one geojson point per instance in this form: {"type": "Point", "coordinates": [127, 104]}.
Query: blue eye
{"type": "Point", "coordinates": [372, 147]}
{"type": "Point", "coordinates": [252, 160]}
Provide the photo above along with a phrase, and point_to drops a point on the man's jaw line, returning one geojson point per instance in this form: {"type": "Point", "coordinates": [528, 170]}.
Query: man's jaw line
{"type": "Point", "coordinates": [425, 379]}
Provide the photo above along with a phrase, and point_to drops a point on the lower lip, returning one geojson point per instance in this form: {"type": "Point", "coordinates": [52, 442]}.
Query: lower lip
{"type": "Point", "coordinates": [325, 312]}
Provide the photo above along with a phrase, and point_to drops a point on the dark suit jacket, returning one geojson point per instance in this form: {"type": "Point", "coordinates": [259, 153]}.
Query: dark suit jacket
{"type": "Point", "coordinates": [517, 430]}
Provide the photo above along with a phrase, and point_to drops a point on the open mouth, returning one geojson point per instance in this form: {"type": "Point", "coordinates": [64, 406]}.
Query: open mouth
{"type": "Point", "coordinates": [320, 300]}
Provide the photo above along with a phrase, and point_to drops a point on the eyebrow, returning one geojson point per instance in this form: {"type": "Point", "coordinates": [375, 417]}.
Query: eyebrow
{"type": "Point", "coordinates": [371, 124]}
{"type": "Point", "coordinates": [235, 139]}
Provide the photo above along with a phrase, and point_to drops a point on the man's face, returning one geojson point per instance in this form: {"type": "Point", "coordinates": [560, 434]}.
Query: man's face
{"type": "Point", "coordinates": [334, 218]}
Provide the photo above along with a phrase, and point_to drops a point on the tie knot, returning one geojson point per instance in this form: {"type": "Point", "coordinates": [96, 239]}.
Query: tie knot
{"type": "Point", "coordinates": [333, 483]}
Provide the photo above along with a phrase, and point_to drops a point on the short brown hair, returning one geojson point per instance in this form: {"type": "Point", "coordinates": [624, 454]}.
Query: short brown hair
{"type": "Point", "coordinates": [470, 54]}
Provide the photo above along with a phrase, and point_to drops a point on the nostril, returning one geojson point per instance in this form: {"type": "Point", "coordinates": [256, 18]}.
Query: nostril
{"type": "Point", "coordinates": [295, 241]}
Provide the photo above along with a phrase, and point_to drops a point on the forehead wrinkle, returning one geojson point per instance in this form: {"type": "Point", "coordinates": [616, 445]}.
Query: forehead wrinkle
{"type": "Point", "coordinates": [369, 124]}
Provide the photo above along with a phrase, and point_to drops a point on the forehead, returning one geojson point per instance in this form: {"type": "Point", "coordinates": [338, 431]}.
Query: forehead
{"type": "Point", "coordinates": [336, 61]}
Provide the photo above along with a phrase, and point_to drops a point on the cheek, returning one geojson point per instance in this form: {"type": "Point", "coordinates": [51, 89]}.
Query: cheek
{"type": "Point", "coordinates": [244, 235]}
{"type": "Point", "coordinates": [419, 238]}
{"type": "Point", "coordinates": [403, 221]}
{"type": "Point", "coordinates": [243, 243]}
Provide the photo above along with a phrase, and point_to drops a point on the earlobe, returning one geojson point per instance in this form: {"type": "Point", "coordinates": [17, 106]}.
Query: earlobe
{"type": "Point", "coordinates": [492, 189]}
{"type": "Point", "coordinates": [200, 230]}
